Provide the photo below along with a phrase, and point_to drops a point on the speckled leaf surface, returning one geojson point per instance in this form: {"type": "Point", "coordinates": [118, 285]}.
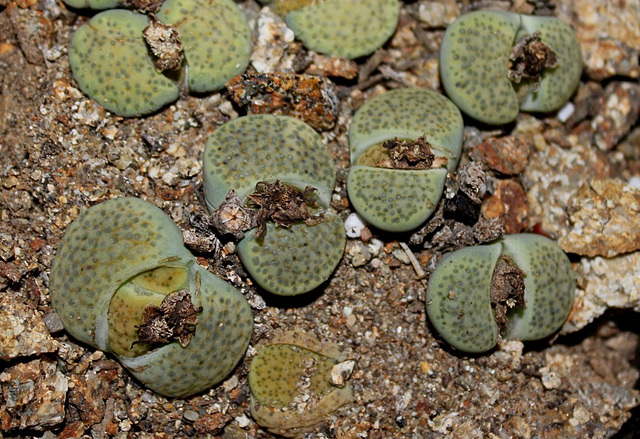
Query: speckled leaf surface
{"type": "Point", "coordinates": [549, 286]}
{"type": "Point", "coordinates": [408, 114]}
{"type": "Point", "coordinates": [250, 149]}
{"type": "Point", "coordinates": [474, 62]}
{"type": "Point", "coordinates": [457, 298]}
{"type": "Point", "coordinates": [105, 246]}
{"type": "Point", "coordinates": [93, 4]}
{"type": "Point", "coordinates": [110, 63]}
{"type": "Point", "coordinates": [346, 28]}
{"type": "Point", "coordinates": [222, 336]}
{"type": "Point", "coordinates": [558, 84]}
{"type": "Point", "coordinates": [393, 199]}
{"type": "Point", "coordinates": [296, 260]}
{"type": "Point", "coordinates": [216, 39]}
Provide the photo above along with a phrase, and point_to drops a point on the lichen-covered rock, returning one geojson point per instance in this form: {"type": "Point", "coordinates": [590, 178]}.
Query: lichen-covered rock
{"type": "Point", "coordinates": [216, 39]}
{"type": "Point", "coordinates": [603, 219]}
{"type": "Point", "coordinates": [120, 260]}
{"type": "Point", "coordinates": [476, 57]}
{"type": "Point", "coordinates": [465, 292]}
{"type": "Point", "coordinates": [347, 28]}
{"type": "Point", "coordinates": [109, 60]}
{"type": "Point", "coordinates": [294, 385]}
{"type": "Point", "coordinates": [248, 151]}
{"type": "Point", "coordinates": [399, 200]}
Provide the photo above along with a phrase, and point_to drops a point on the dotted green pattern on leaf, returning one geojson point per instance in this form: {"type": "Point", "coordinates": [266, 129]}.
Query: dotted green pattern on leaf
{"type": "Point", "coordinates": [122, 243]}
{"type": "Point", "coordinates": [558, 84]}
{"type": "Point", "coordinates": [295, 260]}
{"type": "Point", "coordinates": [457, 298]}
{"type": "Point", "coordinates": [458, 294]}
{"type": "Point", "coordinates": [275, 376]}
{"type": "Point", "coordinates": [388, 198]}
{"type": "Point", "coordinates": [408, 113]}
{"type": "Point", "coordinates": [216, 40]}
{"type": "Point", "coordinates": [221, 338]}
{"type": "Point", "coordinates": [474, 63]}
{"type": "Point", "coordinates": [549, 286]}
{"type": "Point", "coordinates": [346, 28]}
{"type": "Point", "coordinates": [104, 247]}
{"type": "Point", "coordinates": [109, 60]}
{"type": "Point", "coordinates": [399, 200]}
{"type": "Point", "coordinates": [93, 4]}
{"type": "Point", "coordinates": [250, 149]}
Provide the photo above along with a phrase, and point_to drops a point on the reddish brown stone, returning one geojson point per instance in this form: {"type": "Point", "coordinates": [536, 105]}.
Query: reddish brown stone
{"type": "Point", "coordinates": [309, 98]}
{"type": "Point", "coordinates": [507, 155]}
{"type": "Point", "coordinates": [509, 200]}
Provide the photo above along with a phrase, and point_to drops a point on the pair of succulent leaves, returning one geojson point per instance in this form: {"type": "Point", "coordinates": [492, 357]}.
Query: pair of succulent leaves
{"type": "Point", "coordinates": [110, 60]}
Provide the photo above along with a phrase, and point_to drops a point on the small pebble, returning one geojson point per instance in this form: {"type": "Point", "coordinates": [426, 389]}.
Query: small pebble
{"type": "Point", "coordinates": [354, 225]}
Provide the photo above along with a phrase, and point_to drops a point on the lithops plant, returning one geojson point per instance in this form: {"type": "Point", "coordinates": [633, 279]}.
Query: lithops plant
{"type": "Point", "coordinates": [123, 282]}
{"type": "Point", "coordinates": [296, 382]}
{"type": "Point", "coordinates": [520, 288]}
{"type": "Point", "coordinates": [112, 64]}
{"type": "Point", "coordinates": [109, 60]}
{"type": "Point", "coordinates": [93, 4]}
{"type": "Point", "coordinates": [416, 135]}
{"type": "Point", "coordinates": [494, 64]}
{"type": "Point", "coordinates": [346, 28]}
{"type": "Point", "coordinates": [264, 148]}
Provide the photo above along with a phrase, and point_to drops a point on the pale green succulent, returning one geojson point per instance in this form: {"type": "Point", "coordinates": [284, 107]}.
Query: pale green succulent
{"type": "Point", "coordinates": [112, 64]}
{"type": "Point", "coordinates": [120, 259]}
{"type": "Point", "coordinates": [93, 4]}
{"type": "Point", "coordinates": [291, 384]}
{"type": "Point", "coordinates": [459, 303]}
{"type": "Point", "coordinates": [346, 28]}
{"type": "Point", "coordinates": [400, 200]}
{"type": "Point", "coordinates": [109, 60]}
{"type": "Point", "coordinates": [252, 149]}
{"type": "Point", "coordinates": [474, 65]}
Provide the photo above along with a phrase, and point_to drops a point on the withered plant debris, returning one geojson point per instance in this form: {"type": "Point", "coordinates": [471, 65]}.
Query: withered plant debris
{"type": "Point", "coordinates": [529, 58]}
{"type": "Point", "coordinates": [507, 290]}
{"type": "Point", "coordinates": [233, 217]}
{"type": "Point", "coordinates": [174, 320]}
{"type": "Point", "coordinates": [165, 44]}
{"type": "Point", "coordinates": [143, 5]}
{"type": "Point", "coordinates": [283, 204]}
{"type": "Point", "coordinates": [410, 154]}
{"type": "Point", "coordinates": [441, 234]}
{"type": "Point", "coordinates": [312, 99]}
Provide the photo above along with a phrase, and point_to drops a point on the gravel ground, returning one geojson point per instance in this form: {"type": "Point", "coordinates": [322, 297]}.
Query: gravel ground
{"type": "Point", "coordinates": [61, 153]}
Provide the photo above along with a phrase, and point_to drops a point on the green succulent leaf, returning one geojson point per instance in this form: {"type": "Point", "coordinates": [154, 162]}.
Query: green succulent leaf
{"type": "Point", "coordinates": [458, 295]}
{"type": "Point", "coordinates": [256, 148]}
{"type": "Point", "coordinates": [457, 299]}
{"type": "Point", "coordinates": [395, 200]}
{"type": "Point", "coordinates": [93, 4]}
{"type": "Point", "coordinates": [293, 261]}
{"type": "Point", "coordinates": [549, 286]}
{"type": "Point", "coordinates": [110, 63]}
{"type": "Point", "coordinates": [125, 254]}
{"type": "Point", "coordinates": [346, 28]}
{"type": "Point", "coordinates": [216, 39]}
{"type": "Point", "coordinates": [474, 65]}
{"type": "Point", "coordinates": [407, 114]}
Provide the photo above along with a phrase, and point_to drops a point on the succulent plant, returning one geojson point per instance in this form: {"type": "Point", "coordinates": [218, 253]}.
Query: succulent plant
{"type": "Point", "coordinates": [520, 287]}
{"type": "Point", "coordinates": [93, 4]}
{"type": "Point", "coordinates": [123, 282]}
{"type": "Point", "coordinates": [486, 68]}
{"type": "Point", "coordinates": [111, 62]}
{"type": "Point", "coordinates": [293, 383]}
{"type": "Point", "coordinates": [391, 198]}
{"type": "Point", "coordinates": [265, 148]}
{"type": "Point", "coordinates": [346, 28]}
